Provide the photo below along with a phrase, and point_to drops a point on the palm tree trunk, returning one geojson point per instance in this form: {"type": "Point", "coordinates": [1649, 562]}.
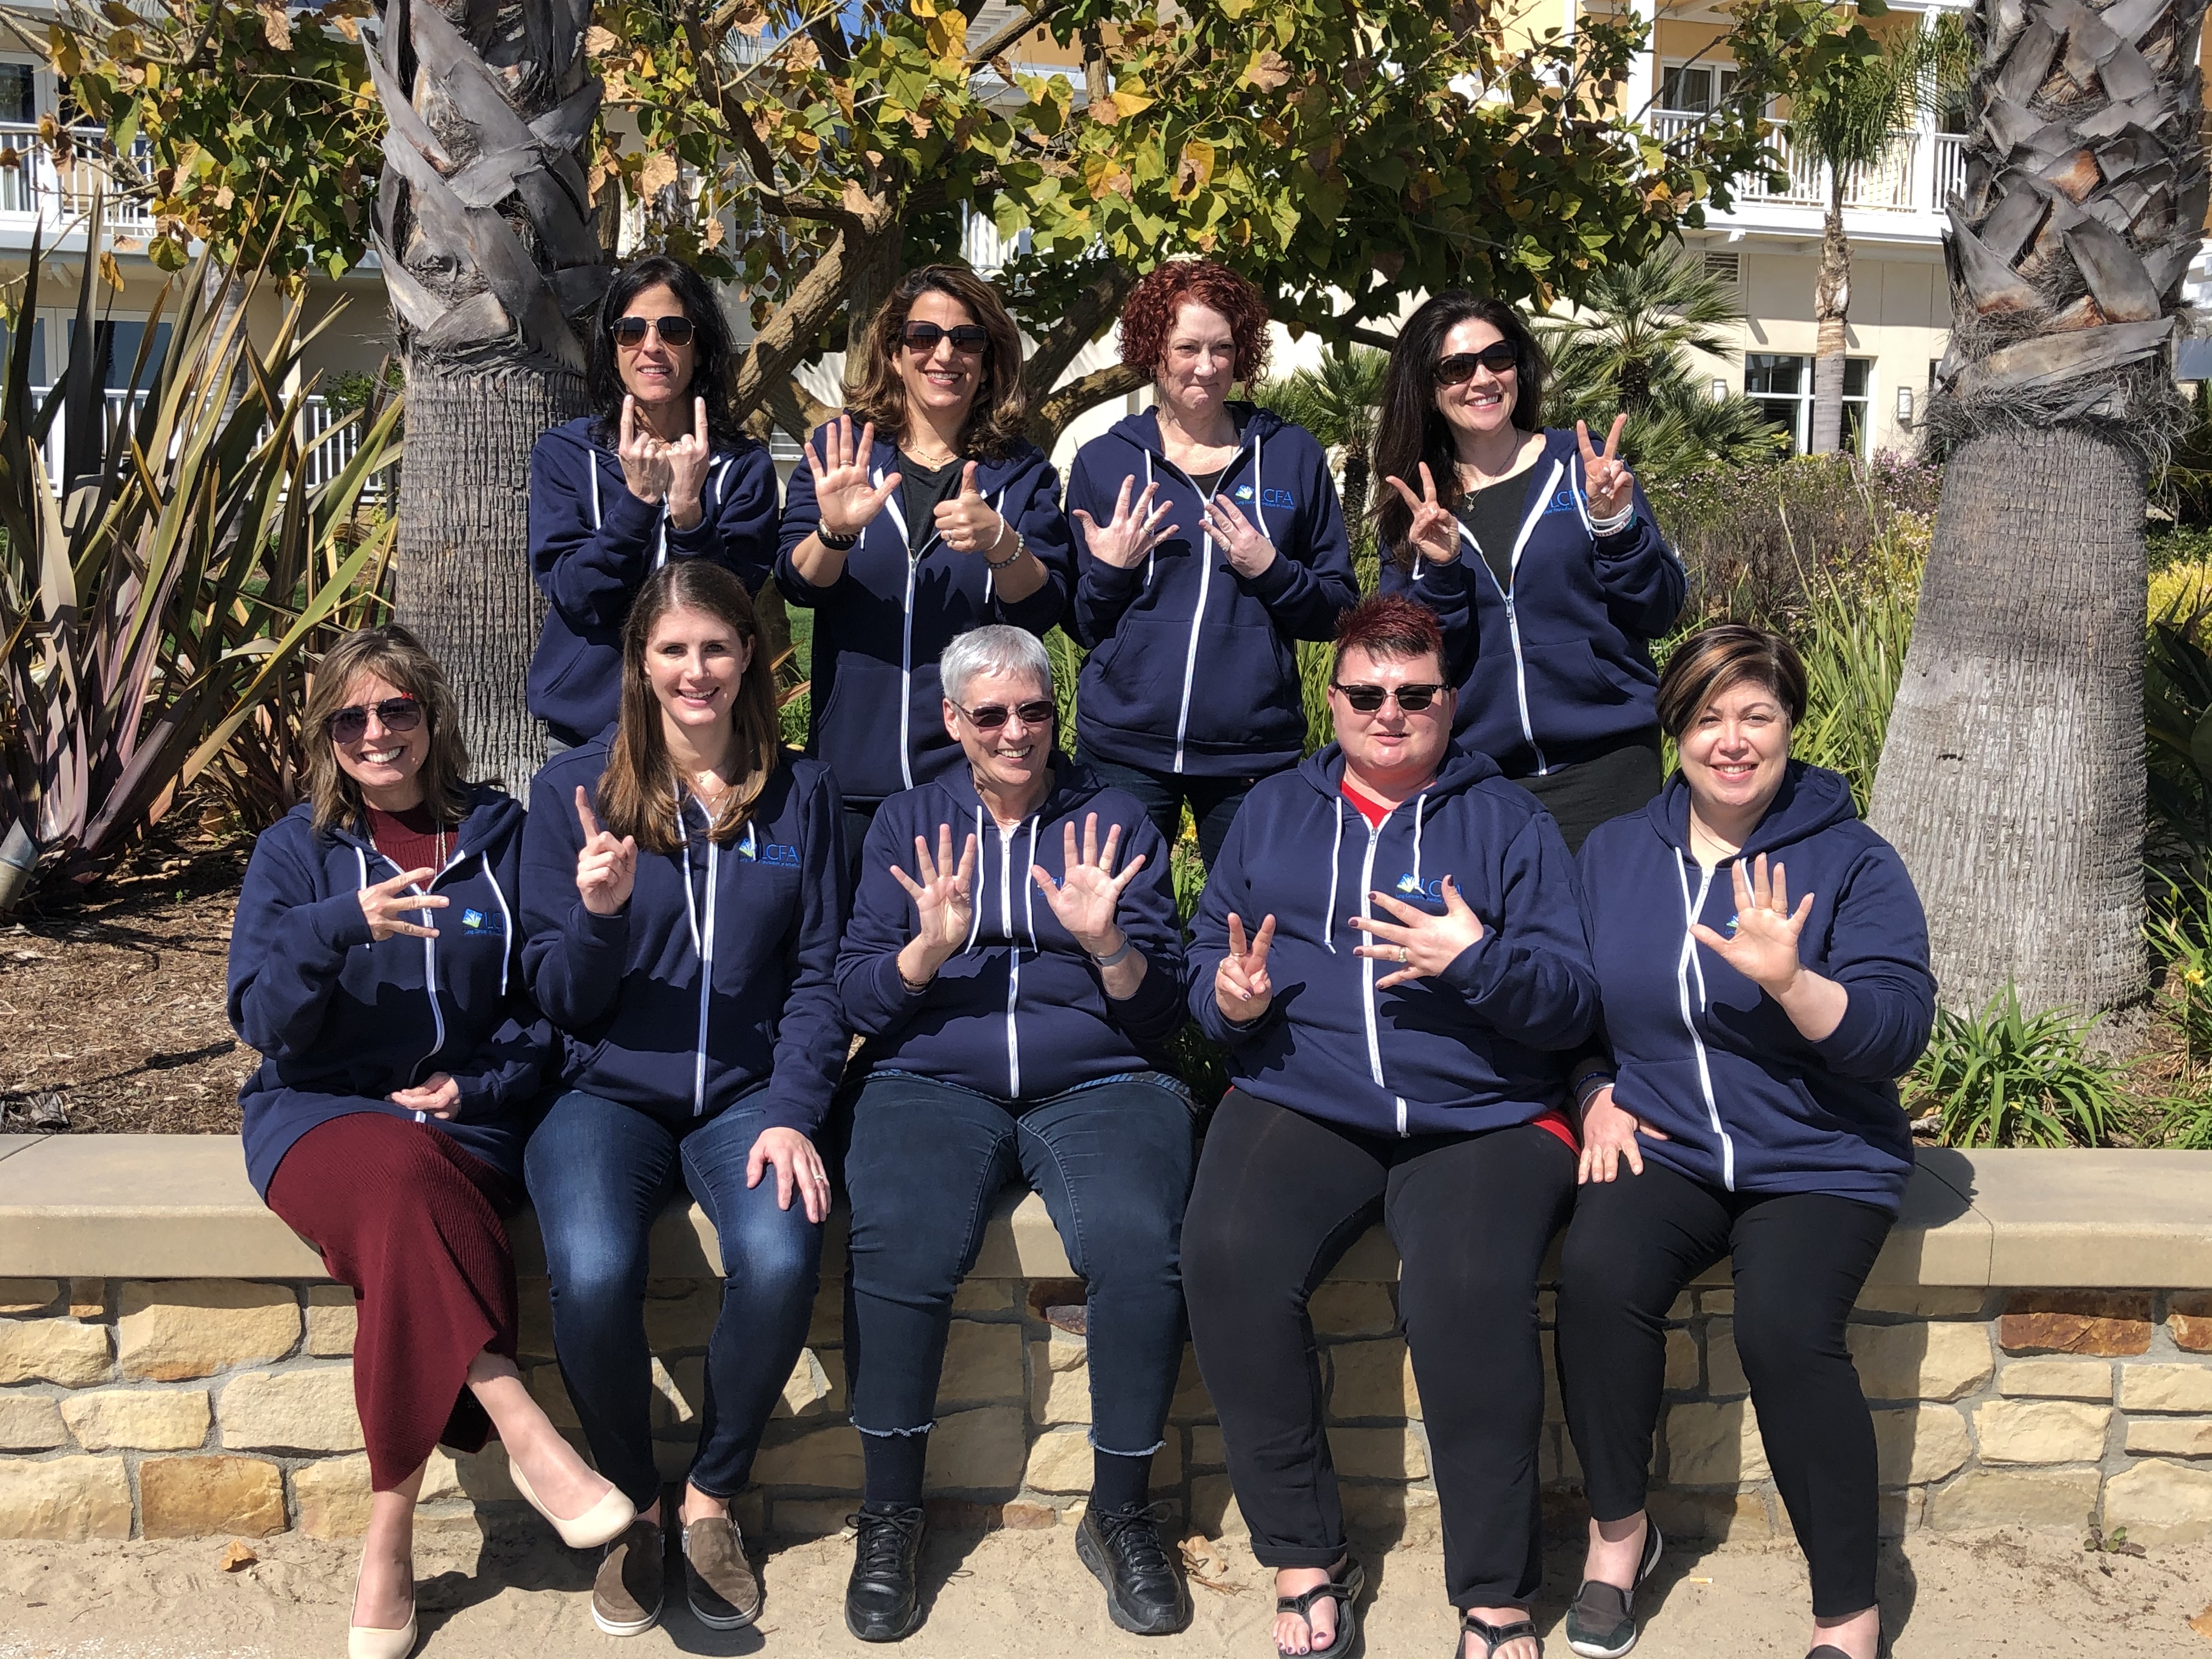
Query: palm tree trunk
{"type": "Point", "coordinates": [1831, 304]}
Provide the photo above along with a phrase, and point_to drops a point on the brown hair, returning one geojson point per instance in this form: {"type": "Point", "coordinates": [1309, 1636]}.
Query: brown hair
{"type": "Point", "coordinates": [876, 393]}
{"type": "Point", "coordinates": [1721, 657]}
{"type": "Point", "coordinates": [396, 657]}
{"type": "Point", "coordinates": [1388, 626]}
{"type": "Point", "coordinates": [638, 795]}
{"type": "Point", "coordinates": [1148, 316]}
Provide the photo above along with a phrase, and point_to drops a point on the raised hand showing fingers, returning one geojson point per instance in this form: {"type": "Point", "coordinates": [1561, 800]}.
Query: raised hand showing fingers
{"type": "Point", "coordinates": [1605, 480]}
{"type": "Point", "coordinates": [942, 898]}
{"type": "Point", "coordinates": [1249, 550]}
{"type": "Point", "coordinates": [1433, 532]}
{"type": "Point", "coordinates": [606, 868]}
{"type": "Point", "coordinates": [644, 458]}
{"type": "Point", "coordinates": [967, 524]}
{"type": "Point", "coordinates": [1088, 893]}
{"type": "Point", "coordinates": [1127, 539]}
{"type": "Point", "coordinates": [385, 905]}
{"type": "Point", "coordinates": [1242, 989]}
{"type": "Point", "coordinates": [1420, 943]}
{"type": "Point", "coordinates": [1762, 944]}
{"type": "Point", "coordinates": [846, 498]}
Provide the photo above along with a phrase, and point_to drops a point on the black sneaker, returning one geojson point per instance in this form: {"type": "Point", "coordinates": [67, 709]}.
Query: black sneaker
{"type": "Point", "coordinates": [882, 1603]}
{"type": "Point", "coordinates": [1144, 1594]}
{"type": "Point", "coordinates": [1602, 1619]}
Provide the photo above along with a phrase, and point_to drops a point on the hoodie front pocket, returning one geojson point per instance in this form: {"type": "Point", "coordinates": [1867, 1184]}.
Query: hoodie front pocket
{"type": "Point", "coordinates": [1568, 676]}
{"type": "Point", "coordinates": [856, 732]}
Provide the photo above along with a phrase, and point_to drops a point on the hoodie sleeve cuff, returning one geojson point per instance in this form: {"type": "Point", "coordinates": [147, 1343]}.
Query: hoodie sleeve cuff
{"type": "Point", "coordinates": [340, 922]}
{"type": "Point", "coordinates": [1474, 971]}
{"type": "Point", "coordinates": [1109, 581]}
{"type": "Point", "coordinates": [597, 935]}
{"type": "Point", "coordinates": [1847, 1048]}
{"type": "Point", "coordinates": [627, 518]}
{"type": "Point", "coordinates": [1275, 582]}
{"type": "Point", "coordinates": [1450, 577]}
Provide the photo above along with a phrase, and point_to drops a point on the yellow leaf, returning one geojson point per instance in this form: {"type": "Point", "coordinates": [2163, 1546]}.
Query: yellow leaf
{"type": "Point", "coordinates": [657, 175]}
{"type": "Point", "coordinates": [110, 273]}
{"type": "Point", "coordinates": [803, 55]}
{"type": "Point", "coordinates": [1102, 112]}
{"type": "Point", "coordinates": [347, 27]}
{"type": "Point", "coordinates": [1195, 169]}
{"type": "Point", "coordinates": [1132, 103]}
{"type": "Point", "coordinates": [276, 25]}
{"type": "Point", "coordinates": [948, 35]}
{"type": "Point", "coordinates": [924, 9]}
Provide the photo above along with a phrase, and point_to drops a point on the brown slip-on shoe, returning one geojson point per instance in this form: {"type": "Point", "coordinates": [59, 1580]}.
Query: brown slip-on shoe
{"type": "Point", "coordinates": [626, 1596]}
{"type": "Point", "coordinates": [717, 1579]}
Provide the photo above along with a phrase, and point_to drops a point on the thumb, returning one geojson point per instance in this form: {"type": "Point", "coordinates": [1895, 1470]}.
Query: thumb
{"type": "Point", "coordinates": [968, 480]}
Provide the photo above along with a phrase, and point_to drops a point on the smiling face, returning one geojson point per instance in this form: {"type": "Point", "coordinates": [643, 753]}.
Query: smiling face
{"type": "Point", "coordinates": [1013, 758]}
{"type": "Point", "coordinates": [1734, 752]}
{"type": "Point", "coordinates": [1198, 364]}
{"type": "Point", "coordinates": [1483, 403]}
{"type": "Point", "coordinates": [1391, 752]}
{"type": "Point", "coordinates": [383, 763]}
{"type": "Point", "coordinates": [655, 372]}
{"type": "Point", "coordinates": [695, 662]}
{"type": "Point", "coordinates": [944, 380]}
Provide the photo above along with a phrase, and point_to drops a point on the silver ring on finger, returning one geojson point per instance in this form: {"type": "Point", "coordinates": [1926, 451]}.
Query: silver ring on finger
{"type": "Point", "coordinates": [1405, 954]}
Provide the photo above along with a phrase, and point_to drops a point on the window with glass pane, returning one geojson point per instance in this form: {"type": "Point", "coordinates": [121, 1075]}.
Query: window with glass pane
{"type": "Point", "coordinates": [1782, 386]}
{"type": "Point", "coordinates": [115, 351]}
{"type": "Point", "coordinates": [19, 98]}
{"type": "Point", "coordinates": [1695, 89]}
{"type": "Point", "coordinates": [38, 349]}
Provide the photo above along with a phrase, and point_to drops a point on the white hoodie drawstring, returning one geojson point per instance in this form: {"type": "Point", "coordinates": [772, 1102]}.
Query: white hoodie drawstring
{"type": "Point", "coordinates": [1420, 804]}
{"type": "Point", "coordinates": [1335, 863]}
{"type": "Point", "coordinates": [975, 925]}
{"type": "Point", "coordinates": [507, 917]}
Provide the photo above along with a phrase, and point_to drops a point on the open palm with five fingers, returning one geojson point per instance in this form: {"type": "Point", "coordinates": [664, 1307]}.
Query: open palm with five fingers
{"type": "Point", "coordinates": [387, 904]}
{"type": "Point", "coordinates": [943, 899]}
{"type": "Point", "coordinates": [1242, 989]}
{"type": "Point", "coordinates": [606, 869]}
{"type": "Point", "coordinates": [1434, 533]}
{"type": "Point", "coordinates": [847, 499]}
{"type": "Point", "coordinates": [1126, 539]}
{"type": "Point", "coordinates": [1606, 480]}
{"type": "Point", "coordinates": [1089, 892]}
{"type": "Point", "coordinates": [1763, 947]}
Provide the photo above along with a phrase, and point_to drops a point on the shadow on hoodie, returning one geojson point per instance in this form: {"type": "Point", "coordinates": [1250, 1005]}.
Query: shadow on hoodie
{"type": "Point", "coordinates": [1703, 1054]}
{"type": "Point", "coordinates": [1485, 1044]}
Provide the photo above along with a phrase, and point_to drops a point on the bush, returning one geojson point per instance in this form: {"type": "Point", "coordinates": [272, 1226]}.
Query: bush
{"type": "Point", "coordinates": [2006, 1078]}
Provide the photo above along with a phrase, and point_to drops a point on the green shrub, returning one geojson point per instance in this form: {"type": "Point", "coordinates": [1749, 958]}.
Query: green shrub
{"type": "Point", "coordinates": [1853, 635]}
{"type": "Point", "coordinates": [2006, 1079]}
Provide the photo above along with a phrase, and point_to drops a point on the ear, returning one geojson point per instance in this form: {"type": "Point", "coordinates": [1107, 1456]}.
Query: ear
{"type": "Point", "coordinates": [952, 720]}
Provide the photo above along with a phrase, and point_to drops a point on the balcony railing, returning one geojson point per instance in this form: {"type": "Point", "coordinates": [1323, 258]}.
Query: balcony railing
{"type": "Point", "coordinates": [330, 439]}
{"type": "Point", "coordinates": [1892, 184]}
{"type": "Point", "coordinates": [34, 180]}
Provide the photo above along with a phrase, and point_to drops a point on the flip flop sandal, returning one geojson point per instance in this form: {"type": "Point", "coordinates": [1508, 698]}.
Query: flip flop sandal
{"type": "Point", "coordinates": [1344, 1591]}
{"type": "Point", "coordinates": [1495, 1637]}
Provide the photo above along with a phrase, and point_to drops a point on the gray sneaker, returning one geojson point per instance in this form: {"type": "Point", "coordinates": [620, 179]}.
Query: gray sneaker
{"type": "Point", "coordinates": [626, 1596]}
{"type": "Point", "coordinates": [1602, 1619]}
{"type": "Point", "coordinates": [718, 1580]}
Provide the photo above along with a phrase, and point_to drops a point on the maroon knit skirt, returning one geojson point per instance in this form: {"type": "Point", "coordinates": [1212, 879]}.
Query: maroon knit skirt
{"type": "Point", "coordinates": [413, 1224]}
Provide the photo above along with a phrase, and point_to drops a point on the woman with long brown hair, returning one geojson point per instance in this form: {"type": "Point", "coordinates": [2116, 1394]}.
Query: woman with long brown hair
{"type": "Point", "coordinates": [374, 965]}
{"type": "Point", "coordinates": [936, 516]}
{"type": "Point", "coordinates": [683, 894]}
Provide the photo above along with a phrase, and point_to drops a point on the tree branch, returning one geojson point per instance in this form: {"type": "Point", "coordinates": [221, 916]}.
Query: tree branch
{"type": "Point", "coordinates": [1084, 320]}
{"type": "Point", "coordinates": [1050, 418]}
{"type": "Point", "coordinates": [799, 322]}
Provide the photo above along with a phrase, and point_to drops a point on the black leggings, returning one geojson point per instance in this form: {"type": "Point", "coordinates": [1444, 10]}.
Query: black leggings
{"type": "Point", "coordinates": [1280, 1198]}
{"type": "Point", "coordinates": [1800, 1259]}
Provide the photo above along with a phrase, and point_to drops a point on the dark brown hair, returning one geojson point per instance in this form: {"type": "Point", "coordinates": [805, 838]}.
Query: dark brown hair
{"type": "Point", "coordinates": [638, 796]}
{"type": "Point", "coordinates": [1148, 316]}
{"type": "Point", "coordinates": [396, 657]}
{"type": "Point", "coordinates": [1387, 627]}
{"type": "Point", "coordinates": [1721, 657]}
{"type": "Point", "coordinates": [875, 392]}
{"type": "Point", "coordinates": [1411, 429]}
{"type": "Point", "coordinates": [712, 350]}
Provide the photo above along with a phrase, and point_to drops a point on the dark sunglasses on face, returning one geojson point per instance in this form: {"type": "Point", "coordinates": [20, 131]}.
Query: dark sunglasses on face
{"type": "Point", "coordinates": [971, 337]}
{"type": "Point", "coordinates": [351, 725]}
{"type": "Point", "coordinates": [1369, 699]}
{"type": "Point", "coordinates": [1498, 357]}
{"type": "Point", "coordinates": [993, 715]}
{"type": "Point", "coordinates": [631, 332]}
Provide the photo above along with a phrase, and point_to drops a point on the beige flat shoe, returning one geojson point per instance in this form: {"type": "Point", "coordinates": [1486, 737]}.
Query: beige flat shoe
{"type": "Point", "coordinates": [602, 1523]}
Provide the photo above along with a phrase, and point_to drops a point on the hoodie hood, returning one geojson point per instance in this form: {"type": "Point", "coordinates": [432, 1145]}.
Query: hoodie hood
{"type": "Point", "coordinates": [1142, 430]}
{"type": "Point", "coordinates": [1461, 769]}
{"type": "Point", "coordinates": [1812, 798]}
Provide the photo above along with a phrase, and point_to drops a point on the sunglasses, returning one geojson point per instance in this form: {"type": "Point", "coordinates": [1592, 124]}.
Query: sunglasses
{"type": "Point", "coordinates": [351, 725]}
{"type": "Point", "coordinates": [1498, 357]}
{"type": "Point", "coordinates": [1370, 699]}
{"type": "Point", "coordinates": [971, 337]}
{"type": "Point", "coordinates": [631, 332]}
{"type": "Point", "coordinates": [993, 715]}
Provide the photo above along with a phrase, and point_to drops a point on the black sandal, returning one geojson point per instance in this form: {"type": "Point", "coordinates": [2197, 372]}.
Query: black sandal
{"type": "Point", "coordinates": [1495, 1637]}
{"type": "Point", "coordinates": [1344, 1591]}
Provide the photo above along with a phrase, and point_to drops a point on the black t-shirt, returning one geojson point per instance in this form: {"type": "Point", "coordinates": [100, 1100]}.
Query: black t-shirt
{"type": "Point", "coordinates": [920, 489]}
{"type": "Point", "coordinates": [1206, 482]}
{"type": "Point", "coordinates": [1493, 514]}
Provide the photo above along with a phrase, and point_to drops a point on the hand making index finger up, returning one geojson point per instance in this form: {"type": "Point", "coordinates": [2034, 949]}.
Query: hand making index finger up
{"type": "Point", "coordinates": [1242, 989]}
{"type": "Point", "coordinates": [606, 869]}
{"type": "Point", "coordinates": [644, 458]}
{"type": "Point", "coordinates": [1605, 479]}
{"type": "Point", "coordinates": [1434, 533]}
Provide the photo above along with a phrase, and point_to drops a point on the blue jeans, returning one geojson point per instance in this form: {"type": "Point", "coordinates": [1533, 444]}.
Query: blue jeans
{"type": "Point", "coordinates": [600, 1174]}
{"type": "Point", "coordinates": [1213, 801]}
{"type": "Point", "coordinates": [1112, 1162]}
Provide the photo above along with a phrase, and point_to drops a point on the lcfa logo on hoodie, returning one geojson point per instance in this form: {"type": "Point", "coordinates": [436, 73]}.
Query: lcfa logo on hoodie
{"type": "Point", "coordinates": [769, 852]}
{"type": "Point", "coordinates": [476, 921]}
{"type": "Point", "coordinates": [1281, 498]}
{"type": "Point", "coordinates": [1411, 886]}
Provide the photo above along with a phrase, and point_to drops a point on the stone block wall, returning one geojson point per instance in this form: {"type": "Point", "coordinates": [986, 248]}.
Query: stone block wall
{"type": "Point", "coordinates": [161, 1408]}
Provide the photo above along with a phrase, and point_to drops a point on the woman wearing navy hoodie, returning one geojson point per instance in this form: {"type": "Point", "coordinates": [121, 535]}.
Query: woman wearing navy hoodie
{"type": "Point", "coordinates": [373, 964]}
{"type": "Point", "coordinates": [1399, 1049]}
{"type": "Point", "coordinates": [1749, 1088]}
{"type": "Point", "coordinates": [659, 472]}
{"type": "Point", "coordinates": [1210, 534]}
{"type": "Point", "coordinates": [687, 951]}
{"type": "Point", "coordinates": [1015, 998]}
{"type": "Point", "coordinates": [1539, 555]}
{"type": "Point", "coordinates": [939, 515]}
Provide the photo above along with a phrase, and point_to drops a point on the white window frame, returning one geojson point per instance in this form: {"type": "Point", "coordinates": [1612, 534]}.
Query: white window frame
{"type": "Point", "coordinates": [1801, 426]}
{"type": "Point", "coordinates": [1721, 81]}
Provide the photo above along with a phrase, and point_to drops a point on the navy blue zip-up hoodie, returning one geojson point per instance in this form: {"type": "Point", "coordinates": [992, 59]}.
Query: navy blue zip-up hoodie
{"type": "Point", "coordinates": [874, 712]}
{"type": "Point", "coordinates": [1709, 1059]}
{"type": "Point", "coordinates": [1558, 669]}
{"type": "Point", "coordinates": [1020, 1013]}
{"type": "Point", "coordinates": [592, 545]}
{"type": "Point", "coordinates": [1145, 700]}
{"type": "Point", "coordinates": [1485, 1044]}
{"type": "Point", "coordinates": [646, 1025]}
{"type": "Point", "coordinates": [340, 1020]}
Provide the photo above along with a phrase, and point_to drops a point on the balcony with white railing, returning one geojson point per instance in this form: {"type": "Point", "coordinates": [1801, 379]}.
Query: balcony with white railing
{"type": "Point", "coordinates": [54, 179]}
{"type": "Point", "coordinates": [1902, 194]}
{"type": "Point", "coordinates": [330, 437]}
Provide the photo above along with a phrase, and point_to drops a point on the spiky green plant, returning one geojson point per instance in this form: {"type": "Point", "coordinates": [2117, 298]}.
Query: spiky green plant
{"type": "Point", "coordinates": [1340, 402]}
{"type": "Point", "coordinates": [2005, 1078]}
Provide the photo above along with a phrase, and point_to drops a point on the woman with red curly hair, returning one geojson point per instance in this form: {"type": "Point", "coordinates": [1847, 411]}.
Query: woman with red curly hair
{"type": "Point", "coordinates": [1210, 531]}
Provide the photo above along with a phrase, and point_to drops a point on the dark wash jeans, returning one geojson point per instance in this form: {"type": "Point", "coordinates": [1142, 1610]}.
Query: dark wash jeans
{"type": "Point", "coordinates": [1213, 801]}
{"type": "Point", "coordinates": [600, 1174]}
{"type": "Point", "coordinates": [1112, 1162]}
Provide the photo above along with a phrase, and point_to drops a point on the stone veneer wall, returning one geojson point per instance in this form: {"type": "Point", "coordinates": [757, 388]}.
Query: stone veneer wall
{"type": "Point", "coordinates": [163, 1408]}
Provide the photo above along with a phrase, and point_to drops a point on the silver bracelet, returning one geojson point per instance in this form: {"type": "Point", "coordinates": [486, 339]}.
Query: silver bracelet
{"type": "Point", "coordinates": [1128, 945]}
{"type": "Point", "coordinates": [1613, 525]}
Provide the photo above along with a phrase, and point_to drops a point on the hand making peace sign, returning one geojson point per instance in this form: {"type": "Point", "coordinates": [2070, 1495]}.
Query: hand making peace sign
{"type": "Point", "coordinates": [1434, 533]}
{"type": "Point", "coordinates": [1607, 482]}
{"type": "Point", "coordinates": [848, 502]}
{"type": "Point", "coordinates": [385, 903]}
{"type": "Point", "coordinates": [606, 869]}
{"type": "Point", "coordinates": [1242, 989]}
{"type": "Point", "coordinates": [1764, 948]}
{"type": "Point", "coordinates": [1420, 944]}
{"type": "Point", "coordinates": [1129, 537]}
{"type": "Point", "coordinates": [966, 524]}
{"type": "Point", "coordinates": [1249, 550]}
{"type": "Point", "coordinates": [1089, 892]}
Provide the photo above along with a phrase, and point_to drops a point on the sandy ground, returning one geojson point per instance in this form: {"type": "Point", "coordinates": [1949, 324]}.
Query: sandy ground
{"type": "Point", "coordinates": [1019, 1593]}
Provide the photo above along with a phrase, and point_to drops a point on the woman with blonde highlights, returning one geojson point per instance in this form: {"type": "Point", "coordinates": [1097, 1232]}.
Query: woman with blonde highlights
{"type": "Point", "coordinates": [683, 893]}
{"type": "Point", "coordinates": [375, 965]}
{"type": "Point", "coordinates": [936, 517]}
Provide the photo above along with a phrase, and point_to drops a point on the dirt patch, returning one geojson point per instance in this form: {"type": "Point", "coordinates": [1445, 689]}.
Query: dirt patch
{"type": "Point", "coordinates": [112, 1000]}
